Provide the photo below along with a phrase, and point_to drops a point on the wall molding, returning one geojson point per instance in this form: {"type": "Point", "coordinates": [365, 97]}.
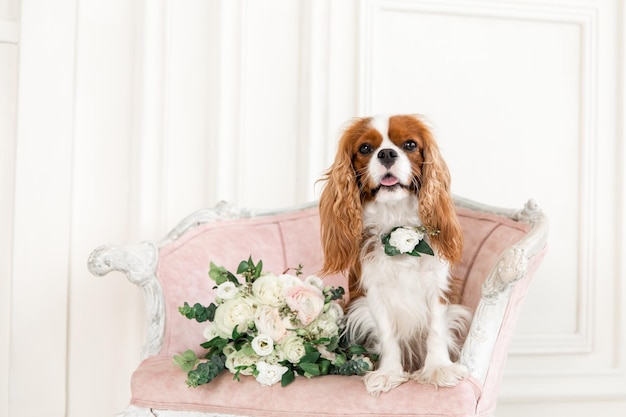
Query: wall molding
{"type": "Point", "coordinates": [231, 98]}
{"type": "Point", "coordinates": [315, 36]}
{"type": "Point", "coordinates": [585, 18]}
{"type": "Point", "coordinates": [149, 120]}
{"type": "Point", "coordinates": [43, 197]}
{"type": "Point", "coordinates": [9, 31]}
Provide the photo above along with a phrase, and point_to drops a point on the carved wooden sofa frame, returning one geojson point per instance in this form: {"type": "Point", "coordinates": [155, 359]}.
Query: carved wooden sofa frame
{"type": "Point", "coordinates": [503, 248]}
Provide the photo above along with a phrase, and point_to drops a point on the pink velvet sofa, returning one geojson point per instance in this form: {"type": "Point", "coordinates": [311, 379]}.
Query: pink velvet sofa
{"type": "Point", "coordinates": [503, 248]}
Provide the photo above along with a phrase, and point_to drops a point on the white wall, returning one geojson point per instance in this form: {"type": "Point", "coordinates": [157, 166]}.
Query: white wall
{"type": "Point", "coordinates": [118, 118]}
{"type": "Point", "coordinates": [8, 107]}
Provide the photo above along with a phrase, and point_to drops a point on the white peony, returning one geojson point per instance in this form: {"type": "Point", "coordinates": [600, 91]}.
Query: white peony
{"type": "Point", "coordinates": [268, 290]}
{"type": "Point", "coordinates": [405, 239]}
{"type": "Point", "coordinates": [269, 322]}
{"type": "Point", "coordinates": [237, 312]}
{"type": "Point", "coordinates": [306, 301]}
{"type": "Point", "coordinates": [269, 374]}
{"type": "Point", "coordinates": [263, 345]}
{"type": "Point", "coordinates": [227, 290]}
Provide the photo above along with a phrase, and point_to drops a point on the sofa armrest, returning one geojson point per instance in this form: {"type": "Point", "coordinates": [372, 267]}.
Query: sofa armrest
{"type": "Point", "coordinates": [514, 265]}
{"type": "Point", "coordinates": [139, 263]}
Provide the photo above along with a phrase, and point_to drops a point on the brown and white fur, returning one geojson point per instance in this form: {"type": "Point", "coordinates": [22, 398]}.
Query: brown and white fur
{"type": "Point", "coordinates": [389, 172]}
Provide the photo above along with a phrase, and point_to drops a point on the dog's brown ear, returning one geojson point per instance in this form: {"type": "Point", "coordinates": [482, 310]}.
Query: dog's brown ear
{"type": "Point", "coordinates": [341, 207]}
{"type": "Point", "coordinates": [437, 208]}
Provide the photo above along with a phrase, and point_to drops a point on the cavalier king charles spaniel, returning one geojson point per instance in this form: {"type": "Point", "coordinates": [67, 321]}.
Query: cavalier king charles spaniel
{"type": "Point", "coordinates": [389, 174]}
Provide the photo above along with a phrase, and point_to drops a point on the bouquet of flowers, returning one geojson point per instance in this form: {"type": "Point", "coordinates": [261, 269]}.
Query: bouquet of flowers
{"type": "Point", "coordinates": [272, 327]}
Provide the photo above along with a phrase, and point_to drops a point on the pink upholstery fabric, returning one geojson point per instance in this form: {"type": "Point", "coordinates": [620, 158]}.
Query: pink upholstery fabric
{"type": "Point", "coordinates": [161, 385]}
{"type": "Point", "coordinates": [281, 241]}
{"type": "Point", "coordinates": [486, 237]}
{"type": "Point", "coordinates": [284, 241]}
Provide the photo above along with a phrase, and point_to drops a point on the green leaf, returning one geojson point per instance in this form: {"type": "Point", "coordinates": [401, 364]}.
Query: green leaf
{"type": "Point", "coordinates": [357, 350]}
{"type": "Point", "coordinates": [243, 267]}
{"type": "Point", "coordinates": [187, 360]}
{"type": "Point", "coordinates": [215, 346]}
{"type": "Point", "coordinates": [332, 294]}
{"type": "Point", "coordinates": [340, 359]}
{"type": "Point", "coordinates": [423, 247]}
{"type": "Point", "coordinates": [334, 343]}
{"type": "Point", "coordinates": [220, 275]}
{"type": "Point", "coordinates": [310, 368]}
{"type": "Point", "coordinates": [258, 269]}
{"type": "Point", "coordinates": [198, 312]}
{"type": "Point", "coordinates": [324, 366]}
{"type": "Point", "coordinates": [287, 378]}
{"type": "Point", "coordinates": [186, 310]}
{"type": "Point", "coordinates": [206, 371]}
{"type": "Point", "coordinates": [310, 357]}
{"type": "Point", "coordinates": [391, 250]}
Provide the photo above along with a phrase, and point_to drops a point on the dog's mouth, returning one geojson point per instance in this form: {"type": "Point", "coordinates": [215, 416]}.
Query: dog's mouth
{"type": "Point", "coordinates": [389, 181]}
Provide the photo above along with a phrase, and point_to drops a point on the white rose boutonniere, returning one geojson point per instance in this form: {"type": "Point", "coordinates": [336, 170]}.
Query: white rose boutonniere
{"type": "Point", "coordinates": [408, 240]}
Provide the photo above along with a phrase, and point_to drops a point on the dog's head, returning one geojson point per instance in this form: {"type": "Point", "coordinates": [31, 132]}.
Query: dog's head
{"type": "Point", "coordinates": [385, 159]}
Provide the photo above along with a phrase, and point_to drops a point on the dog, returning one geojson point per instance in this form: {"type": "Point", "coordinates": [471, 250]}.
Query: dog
{"type": "Point", "coordinates": [388, 174]}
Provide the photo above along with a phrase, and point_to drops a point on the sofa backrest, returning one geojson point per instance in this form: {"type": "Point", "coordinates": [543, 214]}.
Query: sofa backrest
{"type": "Point", "coordinates": [284, 241]}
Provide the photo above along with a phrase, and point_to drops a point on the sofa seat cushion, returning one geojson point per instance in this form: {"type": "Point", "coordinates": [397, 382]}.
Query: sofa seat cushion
{"type": "Point", "coordinates": [159, 384]}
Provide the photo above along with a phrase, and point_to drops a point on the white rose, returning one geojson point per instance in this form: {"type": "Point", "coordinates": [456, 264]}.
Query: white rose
{"type": "Point", "coordinates": [334, 311]}
{"type": "Point", "coordinates": [269, 322]}
{"type": "Point", "coordinates": [268, 290]}
{"type": "Point", "coordinates": [263, 345]}
{"type": "Point", "coordinates": [293, 349]}
{"type": "Point", "coordinates": [237, 359]}
{"type": "Point", "coordinates": [324, 326]}
{"type": "Point", "coordinates": [305, 300]}
{"type": "Point", "coordinates": [405, 239]}
{"type": "Point", "coordinates": [236, 312]}
{"type": "Point", "coordinates": [328, 327]}
{"type": "Point", "coordinates": [269, 374]}
{"type": "Point", "coordinates": [227, 290]}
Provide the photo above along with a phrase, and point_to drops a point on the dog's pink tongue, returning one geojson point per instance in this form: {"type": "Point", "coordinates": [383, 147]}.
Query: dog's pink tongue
{"type": "Point", "coordinates": [389, 180]}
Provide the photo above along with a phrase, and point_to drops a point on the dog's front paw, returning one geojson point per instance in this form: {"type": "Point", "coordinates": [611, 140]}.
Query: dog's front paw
{"type": "Point", "coordinates": [381, 381]}
{"type": "Point", "coordinates": [441, 376]}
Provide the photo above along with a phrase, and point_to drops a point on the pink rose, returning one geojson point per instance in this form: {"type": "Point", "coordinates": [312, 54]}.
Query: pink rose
{"type": "Point", "coordinates": [305, 300]}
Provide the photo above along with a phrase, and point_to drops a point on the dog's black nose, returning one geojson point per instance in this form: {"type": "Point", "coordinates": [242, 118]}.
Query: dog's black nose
{"type": "Point", "coordinates": [387, 157]}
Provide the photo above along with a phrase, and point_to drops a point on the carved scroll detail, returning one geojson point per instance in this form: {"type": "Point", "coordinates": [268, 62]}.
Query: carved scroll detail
{"type": "Point", "coordinates": [139, 263]}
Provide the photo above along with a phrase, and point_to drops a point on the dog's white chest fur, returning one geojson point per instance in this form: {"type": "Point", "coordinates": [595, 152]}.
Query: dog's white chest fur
{"type": "Point", "coordinates": [403, 286]}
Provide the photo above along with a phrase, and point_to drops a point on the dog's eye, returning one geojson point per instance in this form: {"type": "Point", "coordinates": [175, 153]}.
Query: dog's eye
{"type": "Point", "coordinates": [366, 149]}
{"type": "Point", "coordinates": [410, 146]}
